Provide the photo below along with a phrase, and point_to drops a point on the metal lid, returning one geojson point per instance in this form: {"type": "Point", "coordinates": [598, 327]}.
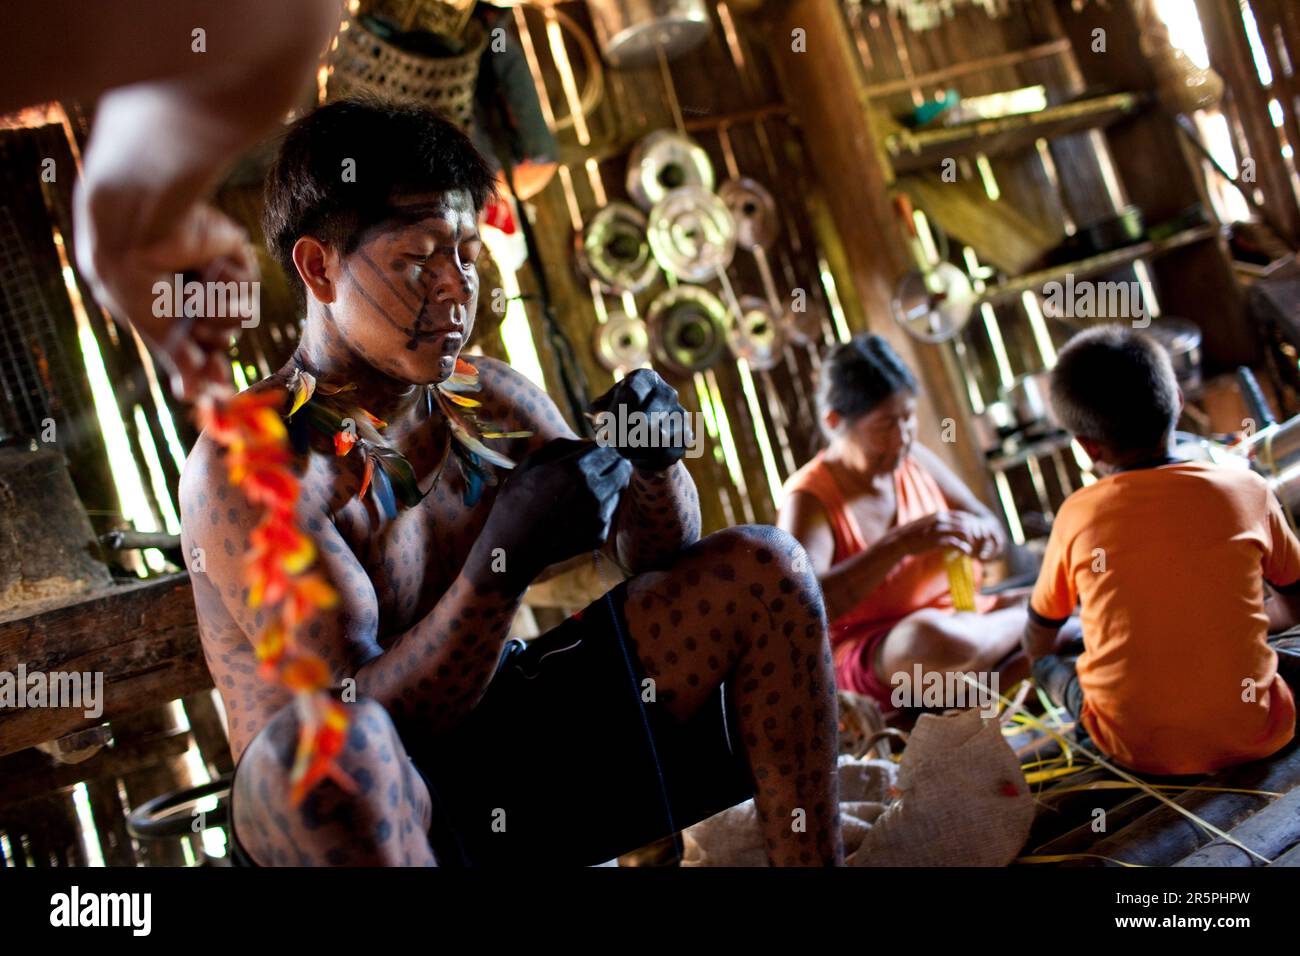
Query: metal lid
{"type": "Point", "coordinates": [692, 234]}
{"type": "Point", "coordinates": [663, 161]}
{"type": "Point", "coordinates": [688, 331]}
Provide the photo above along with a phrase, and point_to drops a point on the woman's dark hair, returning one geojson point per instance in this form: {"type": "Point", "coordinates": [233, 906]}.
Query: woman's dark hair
{"type": "Point", "coordinates": [859, 375]}
{"type": "Point", "coordinates": [340, 167]}
{"type": "Point", "coordinates": [1117, 386]}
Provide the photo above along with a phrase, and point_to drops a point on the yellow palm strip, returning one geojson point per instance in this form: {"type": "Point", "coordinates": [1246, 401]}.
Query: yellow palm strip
{"type": "Point", "coordinates": [1172, 787]}
{"type": "Point", "coordinates": [1066, 857]}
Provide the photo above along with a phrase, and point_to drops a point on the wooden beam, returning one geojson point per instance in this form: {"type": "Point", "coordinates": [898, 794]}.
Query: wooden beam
{"type": "Point", "coordinates": [142, 637]}
{"type": "Point", "coordinates": [1164, 836]}
{"type": "Point", "coordinates": [1014, 58]}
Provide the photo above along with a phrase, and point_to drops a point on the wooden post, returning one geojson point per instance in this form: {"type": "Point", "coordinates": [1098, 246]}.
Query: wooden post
{"type": "Point", "coordinates": [209, 733]}
{"type": "Point", "coordinates": [827, 96]}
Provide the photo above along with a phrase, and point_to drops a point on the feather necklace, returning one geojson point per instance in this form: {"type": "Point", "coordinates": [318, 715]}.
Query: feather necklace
{"type": "Point", "coordinates": [387, 475]}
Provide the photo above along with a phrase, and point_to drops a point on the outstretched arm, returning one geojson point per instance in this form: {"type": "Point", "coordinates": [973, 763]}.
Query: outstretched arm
{"type": "Point", "coordinates": [184, 87]}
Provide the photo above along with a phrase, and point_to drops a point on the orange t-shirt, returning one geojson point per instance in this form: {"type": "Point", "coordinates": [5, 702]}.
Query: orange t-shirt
{"type": "Point", "coordinates": [917, 581]}
{"type": "Point", "coordinates": [1169, 565]}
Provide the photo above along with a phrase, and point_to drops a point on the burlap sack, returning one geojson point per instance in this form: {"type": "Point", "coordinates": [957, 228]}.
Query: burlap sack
{"type": "Point", "coordinates": [962, 799]}
{"type": "Point", "coordinates": [957, 798]}
{"type": "Point", "coordinates": [734, 838]}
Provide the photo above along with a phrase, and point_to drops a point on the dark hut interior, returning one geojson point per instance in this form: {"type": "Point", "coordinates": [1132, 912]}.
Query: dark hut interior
{"type": "Point", "coordinates": [721, 192]}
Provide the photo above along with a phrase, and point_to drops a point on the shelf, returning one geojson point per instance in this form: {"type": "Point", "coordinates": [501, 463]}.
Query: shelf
{"type": "Point", "coordinates": [1103, 262]}
{"type": "Point", "coordinates": [918, 151]}
{"type": "Point", "coordinates": [1040, 447]}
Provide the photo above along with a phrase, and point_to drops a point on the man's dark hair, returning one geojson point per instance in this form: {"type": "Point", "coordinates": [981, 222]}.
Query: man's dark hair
{"type": "Point", "coordinates": [860, 374]}
{"type": "Point", "coordinates": [1116, 386]}
{"type": "Point", "coordinates": [397, 148]}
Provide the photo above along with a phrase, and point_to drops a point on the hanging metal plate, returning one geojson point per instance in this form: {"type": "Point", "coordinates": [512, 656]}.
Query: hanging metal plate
{"type": "Point", "coordinates": [755, 334]}
{"type": "Point", "coordinates": [632, 32]}
{"type": "Point", "coordinates": [614, 251]}
{"type": "Point", "coordinates": [753, 209]}
{"type": "Point", "coordinates": [663, 161]}
{"type": "Point", "coordinates": [622, 343]}
{"type": "Point", "coordinates": [934, 306]}
{"type": "Point", "coordinates": [688, 329]}
{"type": "Point", "coordinates": [692, 234]}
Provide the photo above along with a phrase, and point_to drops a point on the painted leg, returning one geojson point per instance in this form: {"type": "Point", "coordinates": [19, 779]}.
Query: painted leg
{"type": "Point", "coordinates": [742, 605]}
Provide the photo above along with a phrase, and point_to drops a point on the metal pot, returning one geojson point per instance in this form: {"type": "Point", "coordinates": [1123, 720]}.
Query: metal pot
{"type": "Point", "coordinates": [632, 32]}
{"type": "Point", "coordinates": [993, 425]}
{"type": "Point", "coordinates": [688, 329]}
{"type": "Point", "coordinates": [1182, 340]}
{"type": "Point", "coordinates": [1028, 397]}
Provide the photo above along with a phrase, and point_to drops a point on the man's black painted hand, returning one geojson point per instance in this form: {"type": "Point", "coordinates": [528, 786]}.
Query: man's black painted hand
{"type": "Point", "coordinates": [558, 503]}
{"type": "Point", "coordinates": [642, 419]}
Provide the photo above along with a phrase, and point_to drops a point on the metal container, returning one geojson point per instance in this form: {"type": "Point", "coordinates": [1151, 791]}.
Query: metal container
{"type": "Point", "coordinates": [1182, 340]}
{"type": "Point", "coordinates": [631, 32]}
{"type": "Point", "coordinates": [993, 425]}
{"type": "Point", "coordinates": [1029, 399]}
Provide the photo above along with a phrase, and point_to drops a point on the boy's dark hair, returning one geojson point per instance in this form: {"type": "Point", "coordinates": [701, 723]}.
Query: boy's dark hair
{"type": "Point", "coordinates": [1116, 386]}
{"type": "Point", "coordinates": [397, 148]}
{"type": "Point", "coordinates": [860, 374]}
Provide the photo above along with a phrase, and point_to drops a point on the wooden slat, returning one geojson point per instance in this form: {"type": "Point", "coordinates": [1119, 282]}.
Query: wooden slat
{"type": "Point", "coordinates": [1231, 56]}
{"type": "Point", "coordinates": [142, 636]}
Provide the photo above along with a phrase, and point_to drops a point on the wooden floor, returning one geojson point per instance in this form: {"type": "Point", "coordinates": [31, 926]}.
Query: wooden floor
{"type": "Point", "coordinates": [1091, 815]}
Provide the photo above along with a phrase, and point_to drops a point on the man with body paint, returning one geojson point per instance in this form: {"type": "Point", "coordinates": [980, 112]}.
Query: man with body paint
{"type": "Point", "coordinates": [702, 679]}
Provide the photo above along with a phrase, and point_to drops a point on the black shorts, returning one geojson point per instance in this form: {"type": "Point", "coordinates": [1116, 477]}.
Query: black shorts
{"type": "Point", "coordinates": [569, 758]}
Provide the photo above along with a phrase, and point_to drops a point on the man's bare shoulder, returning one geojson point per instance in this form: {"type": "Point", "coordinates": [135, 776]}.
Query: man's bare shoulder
{"type": "Point", "coordinates": [510, 398]}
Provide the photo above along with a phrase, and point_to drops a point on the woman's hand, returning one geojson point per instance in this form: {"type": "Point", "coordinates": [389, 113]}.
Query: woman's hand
{"type": "Point", "coordinates": [943, 529]}
{"type": "Point", "coordinates": [968, 533]}
{"type": "Point", "coordinates": [986, 534]}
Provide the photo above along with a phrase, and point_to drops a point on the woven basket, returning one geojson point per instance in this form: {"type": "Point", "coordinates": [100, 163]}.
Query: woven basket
{"type": "Point", "coordinates": [367, 63]}
{"type": "Point", "coordinates": [444, 17]}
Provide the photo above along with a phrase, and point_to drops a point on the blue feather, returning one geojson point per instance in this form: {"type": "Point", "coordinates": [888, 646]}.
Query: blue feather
{"type": "Point", "coordinates": [381, 486]}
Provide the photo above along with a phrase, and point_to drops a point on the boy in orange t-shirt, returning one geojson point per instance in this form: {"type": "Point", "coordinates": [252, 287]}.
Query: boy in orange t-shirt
{"type": "Point", "coordinates": [1174, 564]}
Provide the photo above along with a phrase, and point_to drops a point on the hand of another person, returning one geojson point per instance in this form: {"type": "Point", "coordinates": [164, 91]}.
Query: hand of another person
{"type": "Point", "coordinates": [990, 540]}
{"type": "Point", "coordinates": [943, 529]}
{"type": "Point", "coordinates": [659, 433]}
{"type": "Point", "coordinates": [558, 503]}
{"type": "Point", "coordinates": [125, 269]}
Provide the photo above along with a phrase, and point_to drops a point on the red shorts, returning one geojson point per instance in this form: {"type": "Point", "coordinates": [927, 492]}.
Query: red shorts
{"type": "Point", "coordinates": [855, 669]}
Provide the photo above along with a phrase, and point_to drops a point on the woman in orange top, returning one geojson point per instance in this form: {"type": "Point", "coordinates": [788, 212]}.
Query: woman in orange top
{"type": "Point", "coordinates": [877, 513]}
